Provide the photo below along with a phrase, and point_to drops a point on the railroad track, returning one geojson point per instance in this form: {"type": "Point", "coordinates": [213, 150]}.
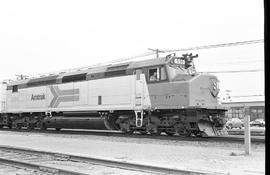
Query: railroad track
{"type": "Point", "coordinates": [52, 163]}
{"type": "Point", "coordinates": [228, 138]}
{"type": "Point", "coordinates": [241, 132]}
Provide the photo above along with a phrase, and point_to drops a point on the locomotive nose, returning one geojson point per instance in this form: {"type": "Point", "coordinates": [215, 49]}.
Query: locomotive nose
{"type": "Point", "coordinates": [205, 90]}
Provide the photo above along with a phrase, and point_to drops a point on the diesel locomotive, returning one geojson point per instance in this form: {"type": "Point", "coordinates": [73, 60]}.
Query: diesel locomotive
{"type": "Point", "coordinates": [150, 96]}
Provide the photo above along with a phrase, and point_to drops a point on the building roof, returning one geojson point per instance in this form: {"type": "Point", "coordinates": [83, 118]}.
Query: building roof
{"type": "Point", "coordinates": [245, 101]}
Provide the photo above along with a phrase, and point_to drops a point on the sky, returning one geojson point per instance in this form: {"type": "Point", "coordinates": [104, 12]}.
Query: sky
{"type": "Point", "coordinates": [46, 36]}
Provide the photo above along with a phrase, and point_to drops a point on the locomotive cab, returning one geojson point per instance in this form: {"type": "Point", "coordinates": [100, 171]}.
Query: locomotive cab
{"type": "Point", "coordinates": [187, 100]}
{"type": "Point", "coordinates": [174, 69]}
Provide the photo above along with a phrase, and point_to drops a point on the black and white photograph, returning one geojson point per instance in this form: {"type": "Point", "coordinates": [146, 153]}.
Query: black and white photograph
{"type": "Point", "coordinates": [132, 87]}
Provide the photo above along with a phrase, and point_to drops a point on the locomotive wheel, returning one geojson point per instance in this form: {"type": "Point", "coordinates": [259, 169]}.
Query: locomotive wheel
{"type": "Point", "coordinates": [201, 134]}
{"type": "Point", "coordinates": [185, 134]}
{"type": "Point", "coordinates": [169, 133]}
{"type": "Point", "coordinates": [1, 126]}
{"type": "Point", "coordinates": [181, 130]}
{"type": "Point", "coordinates": [197, 134]}
{"type": "Point", "coordinates": [29, 126]}
{"type": "Point", "coordinates": [152, 125]}
{"type": "Point", "coordinates": [156, 133]}
{"type": "Point", "coordinates": [143, 132]}
{"type": "Point", "coordinates": [18, 126]}
{"type": "Point", "coordinates": [129, 132]}
{"type": "Point", "coordinates": [10, 126]}
{"type": "Point", "coordinates": [41, 126]}
{"type": "Point", "coordinates": [58, 129]}
{"type": "Point", "coordinates": [125, 127]}
{"type": "Point", "coordinates": [110, 122]}
{"type": "Point", "coordinates": [152, 129]}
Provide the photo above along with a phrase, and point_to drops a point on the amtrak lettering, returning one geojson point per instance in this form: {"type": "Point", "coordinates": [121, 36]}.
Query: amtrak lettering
{"type": "Point", "coordinates": [38, 97]}
{"type": "Point", "coordinates": [67, 95]}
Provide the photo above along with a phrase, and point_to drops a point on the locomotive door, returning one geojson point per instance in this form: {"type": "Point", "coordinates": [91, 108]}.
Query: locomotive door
{"type": "Point", "coordinates": [142, 98]}
{"type": "Point", "coordinates": [3, 97]}
{"type": "Point", "coordinates": [139, 90]}
{"type": "Point", "coordinates": [139, 97]}
{"type": "Point", "coordinates": [138, 73]}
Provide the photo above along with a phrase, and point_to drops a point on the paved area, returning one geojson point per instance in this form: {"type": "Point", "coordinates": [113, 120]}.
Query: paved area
{"type": "Point", "coordinates": [214, 157]}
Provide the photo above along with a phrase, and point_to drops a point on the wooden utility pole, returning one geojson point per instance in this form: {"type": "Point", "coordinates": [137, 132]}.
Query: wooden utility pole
{"type": "Point", "coordinates": [157, 51]}
{"type": "Point", "coordinates": [247, 132]}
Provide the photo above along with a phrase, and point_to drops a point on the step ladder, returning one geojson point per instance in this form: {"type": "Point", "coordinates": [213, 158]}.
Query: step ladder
{"type": "Point", "coordinates": [139, 118]}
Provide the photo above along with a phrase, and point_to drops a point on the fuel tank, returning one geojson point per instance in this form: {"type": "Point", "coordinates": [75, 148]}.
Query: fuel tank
{"type": "Point", "coordinates": [75, 121]}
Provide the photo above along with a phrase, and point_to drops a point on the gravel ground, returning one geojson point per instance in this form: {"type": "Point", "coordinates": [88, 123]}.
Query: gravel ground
{"type": "Point", "coordinates": [208, 156]}
{"type": "Point", "coordinates": [8, 170]}
{"type": "Point", "coordinates": [90, 169]}
{"type": "Point", "coordinates": [50, 161]}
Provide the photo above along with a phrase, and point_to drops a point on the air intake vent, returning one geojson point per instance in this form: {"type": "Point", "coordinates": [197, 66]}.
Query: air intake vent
{"type": "Point", "coordinates": [72, 78]}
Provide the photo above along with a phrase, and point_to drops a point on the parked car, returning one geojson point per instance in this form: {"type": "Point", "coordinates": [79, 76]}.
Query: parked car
{"type": "Point", "coordinates": [258, 122]}
{"type": "Point", "coordinates": [234, 123]}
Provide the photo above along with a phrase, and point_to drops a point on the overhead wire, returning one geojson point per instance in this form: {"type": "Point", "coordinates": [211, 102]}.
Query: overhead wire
{"type": "Point", "coordinates": [190, 48]}
{"type": "Point", "coordinates": [217, 45]}
{"type": "Point", "coordinates": [235, 71]}
{"type": "Point", "coordinates": [163, 51]}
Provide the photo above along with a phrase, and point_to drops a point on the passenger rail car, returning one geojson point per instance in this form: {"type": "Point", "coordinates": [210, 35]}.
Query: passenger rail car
{"type": "Point", "coordinates": [150, 96]}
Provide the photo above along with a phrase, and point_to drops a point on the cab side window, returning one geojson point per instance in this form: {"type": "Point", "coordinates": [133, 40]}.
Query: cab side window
{"type": "Point", "coordinates": [15, 88]}
{"type": "Point", "coordinates": [153, 74]}
{"type": "Point", "coordinates": [157, 74]}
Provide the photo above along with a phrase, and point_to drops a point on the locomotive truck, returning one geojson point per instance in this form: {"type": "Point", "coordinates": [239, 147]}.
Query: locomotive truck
{"type": "Point", "coordinates": [150, 96]}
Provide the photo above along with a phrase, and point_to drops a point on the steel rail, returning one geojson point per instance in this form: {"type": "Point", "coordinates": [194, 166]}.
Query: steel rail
{"type": "Point", "coordinates": [38, 167]}
{"type": "Point", "coordinates": [103, 162]}
{"type": "Point", "coordinates": [228, 138]}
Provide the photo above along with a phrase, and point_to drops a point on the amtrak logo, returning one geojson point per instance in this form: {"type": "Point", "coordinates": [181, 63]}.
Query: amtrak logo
{"type": "Point", "coordinates": [68, 95]}
{"type": "Point", "coordinates": [214, 89]}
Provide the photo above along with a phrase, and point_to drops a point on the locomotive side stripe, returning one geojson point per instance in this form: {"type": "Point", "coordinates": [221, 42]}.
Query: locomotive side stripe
{"type": "Point", "coordinates": [55, 96]}
{"type": "Point", "coordinates": [66, 91]}
{"type": "Point", "coordinates": [66, 99]}
{"type": "Point", "coordinates": [68, 95]}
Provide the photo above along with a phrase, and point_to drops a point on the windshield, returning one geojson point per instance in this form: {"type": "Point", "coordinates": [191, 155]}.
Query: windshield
{"type": "Point", "coordinates": [178, 66]}
{"type": "Point", "coordinates": [175, 71]}
{"type": "Point", "coordinates": [177, 74]}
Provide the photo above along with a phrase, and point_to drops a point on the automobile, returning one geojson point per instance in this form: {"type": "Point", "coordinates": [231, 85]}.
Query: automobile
{"type": "Point", "coordinates": [234, 123]}
{"type": "Point", "coordinates": [258, 122]}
